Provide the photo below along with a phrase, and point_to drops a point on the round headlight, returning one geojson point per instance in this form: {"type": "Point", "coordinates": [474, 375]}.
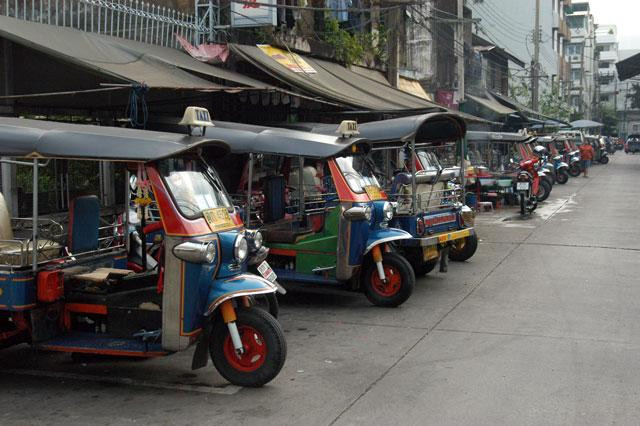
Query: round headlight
{"type": "Point", "coordinates": [240, 249]}
{"type": "Point", "coordinates": [387, 211]}
{"type": "Point", "coordinates": [257, 240]}
{"type": "Point", "coordinates": [367, 213]}
{"type": "Point", "coordinates": [210, 252]}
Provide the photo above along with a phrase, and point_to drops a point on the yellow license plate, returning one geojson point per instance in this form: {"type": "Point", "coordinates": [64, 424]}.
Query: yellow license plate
{"type": "Point", "coordinates": [430, 253]}
{"type": "Point", "coordinates": [450, 236]}
{"type": "Point", "coordinates": [373, 192]}
{"type": "Point", "coordinates": [218, 219]}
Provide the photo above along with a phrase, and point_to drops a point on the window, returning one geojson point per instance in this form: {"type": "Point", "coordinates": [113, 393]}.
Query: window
{"type": "Point", "coordinates": [603, 65]}
{"type": "Point", "coordinates": [574, 49]}
{"type": "Point", "coordinates": [194, 185]}
{"type": "Point", "coordinates": [575, 21]}
{"type": "Point", "coordinates": [576, 74]}
{"type": "Point", "coordinates": [605, 98]}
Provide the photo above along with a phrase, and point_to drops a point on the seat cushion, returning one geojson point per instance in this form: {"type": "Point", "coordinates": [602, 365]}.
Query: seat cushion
{"type": "Point", "coordinates": [11, 253]}
{"type": "Point", "coordinates": [286, 236]}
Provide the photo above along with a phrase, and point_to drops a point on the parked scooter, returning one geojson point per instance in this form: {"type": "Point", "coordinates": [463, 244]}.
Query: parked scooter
{"type": "Point", "coordinates": [561, 168]}
{"type": "Point", "coordinates": [528, 184]}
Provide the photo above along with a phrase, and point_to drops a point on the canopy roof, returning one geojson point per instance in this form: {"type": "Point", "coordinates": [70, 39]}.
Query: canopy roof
{"type": "Point", "coordinates": [473, 136]}
{"type": "Point", "coordinates": [248, 138]}
{"type": "Point", "coordinates": [425, 128]}
{"type": "Point", "coordinates": [48, 139]}
{"type": "Point", "coordinates": [334, 82]}
{"type": "Point", "coordinates": [585, 124]}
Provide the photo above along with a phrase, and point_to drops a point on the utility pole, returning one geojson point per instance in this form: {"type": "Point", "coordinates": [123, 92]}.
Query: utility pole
{"type": "Point", "coordinates": [460, 50]}
{"type": "Point", "coordinates": [393, 47]}
{"type": "Point", "coordinates": [535, 64]}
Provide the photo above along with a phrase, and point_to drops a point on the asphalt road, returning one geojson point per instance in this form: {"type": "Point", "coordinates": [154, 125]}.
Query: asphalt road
{"type": "Point", "coordinates": [542, 326]}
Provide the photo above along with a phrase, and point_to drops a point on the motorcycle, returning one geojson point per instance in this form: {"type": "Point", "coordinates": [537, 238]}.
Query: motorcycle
{"type": "Point", "coordinates": [528, 185]}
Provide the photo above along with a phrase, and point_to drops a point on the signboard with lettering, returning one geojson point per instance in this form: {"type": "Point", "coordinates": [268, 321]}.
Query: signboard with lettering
{"type": "Point", "coordinates": [253, 13]}
{"type": "Point", "coordinates": [291, 61]}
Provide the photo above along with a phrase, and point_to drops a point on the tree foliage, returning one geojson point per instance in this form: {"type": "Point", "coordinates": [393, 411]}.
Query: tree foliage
{"type": "Point", "coordinates": [357, 47]}
{"type": "Point", "coordinates": [552, 104]}
{"type": "Point", "coordinates": [607, 115]}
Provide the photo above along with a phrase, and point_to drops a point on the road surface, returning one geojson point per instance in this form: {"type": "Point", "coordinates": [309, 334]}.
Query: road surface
{"type": "Point", "coordinates": [542, 326]}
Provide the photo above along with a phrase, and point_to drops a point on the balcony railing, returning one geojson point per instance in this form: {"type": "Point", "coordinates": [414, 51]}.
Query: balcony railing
{"type": "Point", "coordinates": [133, 20]}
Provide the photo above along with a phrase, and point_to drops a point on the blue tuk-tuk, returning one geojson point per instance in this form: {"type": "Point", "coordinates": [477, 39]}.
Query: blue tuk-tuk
{"type": "Point", "coordinates": [428, 201]}
{"type": "Point", "coordinates": [73, 279]}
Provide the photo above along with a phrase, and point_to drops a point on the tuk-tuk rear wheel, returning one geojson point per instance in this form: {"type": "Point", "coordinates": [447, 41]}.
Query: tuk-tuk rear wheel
{"type": "Point", "coordinates": [264, 344]}
{"type": "Point", "coordinates": [400, 281]}
{"type": "Point", "coordinates": [463, 249]}
{"type": "Point", "coordinates": [415, 258]}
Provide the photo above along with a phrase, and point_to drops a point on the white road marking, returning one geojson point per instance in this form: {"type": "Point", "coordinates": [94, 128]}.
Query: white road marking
{"type": "Point", "coordinates": [225, 390]}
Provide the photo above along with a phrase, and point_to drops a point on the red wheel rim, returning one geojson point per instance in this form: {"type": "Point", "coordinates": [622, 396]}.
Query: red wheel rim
{"type": "Point", "coordinates": [392, 284]}
{"type": "Point", "coordinates": [255, 350]}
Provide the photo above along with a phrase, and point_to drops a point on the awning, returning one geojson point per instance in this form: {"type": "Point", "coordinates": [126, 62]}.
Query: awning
{"type": "Point", "coordinates": [585, 124]}
{"type": "Point", "coordinates": [491, 104]}
{"type": "Point", "coordinates": [527, 112]}
{"type": "Point", "coordinates": [629, 67]}
{"type": "Point", "coordinates": [405, 84]}
{"type": "Point", "coordinates": [101, 54]}
{"type": "Point", "coordinates": [330, 80]}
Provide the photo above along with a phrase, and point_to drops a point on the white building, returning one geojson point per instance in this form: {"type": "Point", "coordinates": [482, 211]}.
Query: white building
{"type": "Point", "coordinates": [607, 78]}
{"type": "Point", "coordinates": [581, 55]}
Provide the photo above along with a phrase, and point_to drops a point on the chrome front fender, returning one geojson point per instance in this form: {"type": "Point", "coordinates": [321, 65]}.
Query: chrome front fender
{"type": "Point", "coordinates": [385, 235]}
{"type": "Point", "coordinates": [237, 286]}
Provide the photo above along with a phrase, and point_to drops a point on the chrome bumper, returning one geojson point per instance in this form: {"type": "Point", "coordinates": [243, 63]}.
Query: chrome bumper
{"type": "Point", "coordinates": [441, 238]}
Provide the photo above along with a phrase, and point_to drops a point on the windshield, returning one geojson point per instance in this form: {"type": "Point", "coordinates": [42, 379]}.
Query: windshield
{"type": "Point", "coordinates": [194, 185]}
{"type": "Point", "coordinates": [358, 173]}
{"type": "Point", "coordinates": [429, 161]}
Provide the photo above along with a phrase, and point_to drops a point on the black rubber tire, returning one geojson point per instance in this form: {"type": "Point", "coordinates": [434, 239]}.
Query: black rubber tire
{"type": "Point", "coordinates": [273, 337]}
{"type": "Point", "coordinates": [575, 170]}
{"type": "Point", "coordinates": [604, 160]}
{"type": "Point", "coordinates": [267, 302]}
{"type": "Point", "coordinates": [424, 267]}
{"type": "Point", "coordinates": [562, 177]}
{"type": "Point", "coordinates": [466, 251]}
{"type": "Point", "coordinates": [523, 204]}
{"type": "Point", "coordinates": [407, 284]}
{"type": "Point", "coordinates": [544, 190]}
{"type": "Point", "coordinates": [420, 267]}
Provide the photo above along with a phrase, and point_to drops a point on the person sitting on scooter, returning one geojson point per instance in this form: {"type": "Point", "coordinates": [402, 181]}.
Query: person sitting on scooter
{"type": "Point", "coordinates": [586, 155]}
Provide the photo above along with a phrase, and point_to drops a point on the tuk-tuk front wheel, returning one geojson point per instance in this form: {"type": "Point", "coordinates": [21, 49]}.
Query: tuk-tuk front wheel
{"type": "Point", "coordinates": [265, 348]}
{"type": "Point", "coordinates": [463, 249]}
{"type": "Point", "coordinates": [398, 286]}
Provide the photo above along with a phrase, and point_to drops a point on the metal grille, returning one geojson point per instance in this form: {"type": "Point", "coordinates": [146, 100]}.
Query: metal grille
{"type": "Point", "coordinates": [133, 20]}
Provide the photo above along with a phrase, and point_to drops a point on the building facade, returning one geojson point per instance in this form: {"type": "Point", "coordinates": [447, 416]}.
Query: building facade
{"type": "Point", "coordinates": [607, 56]}
{"type": "Point", "coordinates": [581, 54]}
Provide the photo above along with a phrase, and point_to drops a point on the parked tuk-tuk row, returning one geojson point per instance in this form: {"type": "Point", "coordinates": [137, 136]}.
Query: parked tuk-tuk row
{"type": "Point", "coordinates": [185, 239]}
